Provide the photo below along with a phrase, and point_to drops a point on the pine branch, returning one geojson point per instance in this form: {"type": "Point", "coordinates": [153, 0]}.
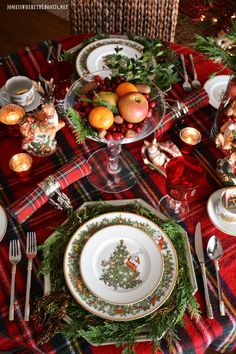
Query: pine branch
{"type": "Point", "coordinates": [82, 128]}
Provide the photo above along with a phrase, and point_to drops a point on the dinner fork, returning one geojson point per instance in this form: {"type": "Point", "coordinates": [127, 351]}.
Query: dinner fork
{"type": "Point", "coordinates": [31, 251]}
{"type": "Point", "coordinates": [186, 84]}
{"type": "Point", "coordinates": [14, 258]}
{"type": "Point", "coordinates": [195, 83]}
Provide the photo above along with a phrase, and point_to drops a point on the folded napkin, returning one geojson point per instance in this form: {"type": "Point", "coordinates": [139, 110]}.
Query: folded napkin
{"type": "Point", "coordinates": [23, 208]}
{"type": "Point", "coordinates": [190, 104]}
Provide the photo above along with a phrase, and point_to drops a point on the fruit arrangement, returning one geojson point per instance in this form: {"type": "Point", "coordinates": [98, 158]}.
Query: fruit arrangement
{"type": "Point", "coordinates": [114, 108]}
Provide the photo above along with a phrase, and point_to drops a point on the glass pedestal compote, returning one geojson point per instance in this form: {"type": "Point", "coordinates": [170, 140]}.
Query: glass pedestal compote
{"type": "Point", "coordinates": [184, 175]}
{"type": "Point", "coordinates": [113, 169]}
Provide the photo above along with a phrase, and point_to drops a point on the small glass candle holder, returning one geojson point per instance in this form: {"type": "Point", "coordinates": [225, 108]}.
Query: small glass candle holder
{"type": "Point", "coordinates": [21, 164]}
{"type": "Point", "coordinates": [10, 115]}
{"type": "Point", "coordinates": [189, 137]}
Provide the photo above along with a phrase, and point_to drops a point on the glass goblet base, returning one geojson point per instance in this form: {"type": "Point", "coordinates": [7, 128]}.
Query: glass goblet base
{"type": "Point", "coordinates": [109, 180]}
{"type": "Point", "coordinates": [178, 210]}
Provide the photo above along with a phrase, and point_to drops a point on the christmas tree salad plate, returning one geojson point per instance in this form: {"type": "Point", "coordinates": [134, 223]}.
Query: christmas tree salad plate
{"type": "Point", "coordinates": [105, 309]}
{"type": "Point", "coordinates": [121, 264]}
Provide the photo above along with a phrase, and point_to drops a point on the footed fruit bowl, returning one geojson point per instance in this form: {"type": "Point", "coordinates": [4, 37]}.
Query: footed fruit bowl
{"type": "Point", "coordinates": [114, 111]}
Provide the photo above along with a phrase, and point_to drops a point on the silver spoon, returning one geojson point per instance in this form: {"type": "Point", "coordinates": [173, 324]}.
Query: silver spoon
{"type": "Point", "coordinates": [215, 252]}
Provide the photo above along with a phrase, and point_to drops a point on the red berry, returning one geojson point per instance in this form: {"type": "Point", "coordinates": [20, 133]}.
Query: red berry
{"type": "Point", "coordinates": [97, 78]}
{"type": "Point", "coordinates": [118, 136]}
{"type": "Point", "coordinates": [141, 126]}
{"type": "Point", "coordinates": [130, 125]}
{"type": "Point", "coordinates": [112, 128]}
{"type": "Point", "coordinates": [138, 130]}
{"type": "Point", "coordinates": [152, 104]}
{"type": "Point", "coordinates": [149, 114]}
{"type": "Point", "coordinates": [146, 95]}
{"type": "Point", "coordinates": [108, 136]}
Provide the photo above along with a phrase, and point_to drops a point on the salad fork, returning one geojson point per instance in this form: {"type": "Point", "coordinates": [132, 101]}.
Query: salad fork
{"type": "Point", "coordinates": [31, 251]}
{"type": "Point", "coordinates": [14, 258]}
{"type": "Point", "coordinates": [186, 84]}
{"type": "Point", "coordinates": [195, 83]}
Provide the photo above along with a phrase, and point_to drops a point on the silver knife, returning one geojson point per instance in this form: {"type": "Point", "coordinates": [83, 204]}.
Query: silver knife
{"type": "Point", "coordinates": [200, 256]}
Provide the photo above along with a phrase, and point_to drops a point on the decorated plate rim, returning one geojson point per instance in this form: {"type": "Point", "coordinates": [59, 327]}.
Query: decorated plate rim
{"type": "Point", "coordinates": [112, 318]}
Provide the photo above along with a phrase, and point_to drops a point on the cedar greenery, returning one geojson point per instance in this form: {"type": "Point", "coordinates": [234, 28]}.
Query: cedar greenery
{"type": "Point", "coordinates": [95, 329]}
{"type": "Point", "coordinates": [216, 49]}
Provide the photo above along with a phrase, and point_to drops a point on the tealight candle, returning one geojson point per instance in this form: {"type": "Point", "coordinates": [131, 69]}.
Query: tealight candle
{"type": "Point", "coordinates": [21, 164]}
{"type": "Point", "coordinates": [189, 137]}
{"type": "Point", "coordinates": [10, 116]}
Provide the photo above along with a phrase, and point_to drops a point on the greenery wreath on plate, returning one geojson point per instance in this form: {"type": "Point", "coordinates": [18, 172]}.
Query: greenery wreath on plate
{"type": "Point", "coordinates": [50, 310]}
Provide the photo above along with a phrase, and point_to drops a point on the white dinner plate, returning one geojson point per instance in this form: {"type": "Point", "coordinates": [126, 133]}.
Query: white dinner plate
{"type": "Point", "coordinates": [5, 99]}
{"type": "Point", "coordinates": [81, 60]}
{"type": "Point", "coordinates": [121, 264]}
{"type": "Point", "coordinates": [99, 57]}
{"type": "Point", "coordinates": [104, 309]}
{"type": "Point", "coordinates": [3, 222]}
{"type": "Point", "coordinates": [215, 87]}
{"type": "Point", "coordinates": [217, 221]}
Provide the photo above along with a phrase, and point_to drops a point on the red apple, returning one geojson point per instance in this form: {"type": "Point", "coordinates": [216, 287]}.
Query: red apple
{"type": "Point", "coordinates": [133, 107]}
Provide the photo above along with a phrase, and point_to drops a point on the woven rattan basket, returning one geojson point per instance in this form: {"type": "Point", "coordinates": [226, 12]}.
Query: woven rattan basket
{"type": "Point", "coordinates": [149, 18]}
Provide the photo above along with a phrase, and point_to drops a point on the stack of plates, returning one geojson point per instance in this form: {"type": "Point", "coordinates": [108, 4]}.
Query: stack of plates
{"type": "Point", "coordinates": [120, 266]}
{"type": "Point", "coordinates": [94, 56]}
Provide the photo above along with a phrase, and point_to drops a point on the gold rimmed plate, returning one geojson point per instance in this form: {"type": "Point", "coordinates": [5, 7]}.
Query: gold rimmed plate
{"type": "Point", "coordinates": [102, 308]}
{"type": "Point", "coordinates": [121, 264]}
{"type": "Point", "coordinates": [83, 57]}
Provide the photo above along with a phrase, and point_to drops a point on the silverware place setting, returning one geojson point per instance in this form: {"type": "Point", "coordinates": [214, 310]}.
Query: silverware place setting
{"type": "Point", "coordinates": [189, 84]}
{"type": "Point", "coordinates": [200, 255]}
{"type": "Point", "coordinates": [215, 252]}
{"type": "Point", "coordinates": [15, 258]}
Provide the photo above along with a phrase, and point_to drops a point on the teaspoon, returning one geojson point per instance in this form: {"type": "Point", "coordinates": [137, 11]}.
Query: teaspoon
{"type": "Point", "coordinates": [215, 252]}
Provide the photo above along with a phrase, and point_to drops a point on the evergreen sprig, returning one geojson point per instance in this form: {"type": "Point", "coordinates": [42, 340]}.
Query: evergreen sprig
{"type": "Point", "coordinates": [81, 127]}
{"type": "Point", "coordinates": [98, 330]}
{"type": "Point", "coordinates": [218, 50]}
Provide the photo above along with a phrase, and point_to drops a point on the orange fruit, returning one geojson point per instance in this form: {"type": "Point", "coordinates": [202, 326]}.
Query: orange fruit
{"type": "Point", "coordinates": [101, 118]}
{"type": "Point", "coordinates": [125, 87]}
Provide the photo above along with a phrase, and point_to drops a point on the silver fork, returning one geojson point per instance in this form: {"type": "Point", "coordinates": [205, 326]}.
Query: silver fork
{"type": "Point", "coordinates": [186, 84]}
{"type": "Point", "coordinates": [14, 258]}
{"type": "Point", "coordinates": [195, 83]}
{"type": "Point", "coordinates": [31, 251]}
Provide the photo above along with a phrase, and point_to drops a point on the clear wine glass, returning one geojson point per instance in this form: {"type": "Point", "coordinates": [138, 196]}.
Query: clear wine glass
{"type": "Point", "coordinates": [184, 175]}
{"type": "Point", "coordinates": [113, 168]}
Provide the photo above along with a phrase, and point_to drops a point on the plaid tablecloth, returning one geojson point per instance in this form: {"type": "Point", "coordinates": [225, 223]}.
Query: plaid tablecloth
{"type": "Point", "coordinates": [194, 337]}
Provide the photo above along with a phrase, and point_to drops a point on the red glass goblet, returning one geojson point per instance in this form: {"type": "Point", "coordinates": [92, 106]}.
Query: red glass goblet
{"type": "Point", "coordinates": [184, 175]}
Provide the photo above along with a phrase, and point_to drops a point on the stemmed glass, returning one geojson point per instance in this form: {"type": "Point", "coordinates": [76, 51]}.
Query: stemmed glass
{"type": "Point", "coordinates": [184, 175]}
{"type": "Point", "coordinates": [114, 169]}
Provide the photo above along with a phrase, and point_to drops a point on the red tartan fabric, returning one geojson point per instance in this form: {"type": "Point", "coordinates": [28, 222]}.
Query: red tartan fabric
{"type": "Point", "coordinates": [22, 209]}
{"type": "Point", "coordinates": [193, 337]}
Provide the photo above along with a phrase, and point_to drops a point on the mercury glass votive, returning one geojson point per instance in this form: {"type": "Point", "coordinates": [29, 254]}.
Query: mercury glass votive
{"type": "Point", "coordinates": [189, 137]}
{"type": "Point", "coordinates": [10, 115]}
{"type": "Point", "coordinates": [21, 164]}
